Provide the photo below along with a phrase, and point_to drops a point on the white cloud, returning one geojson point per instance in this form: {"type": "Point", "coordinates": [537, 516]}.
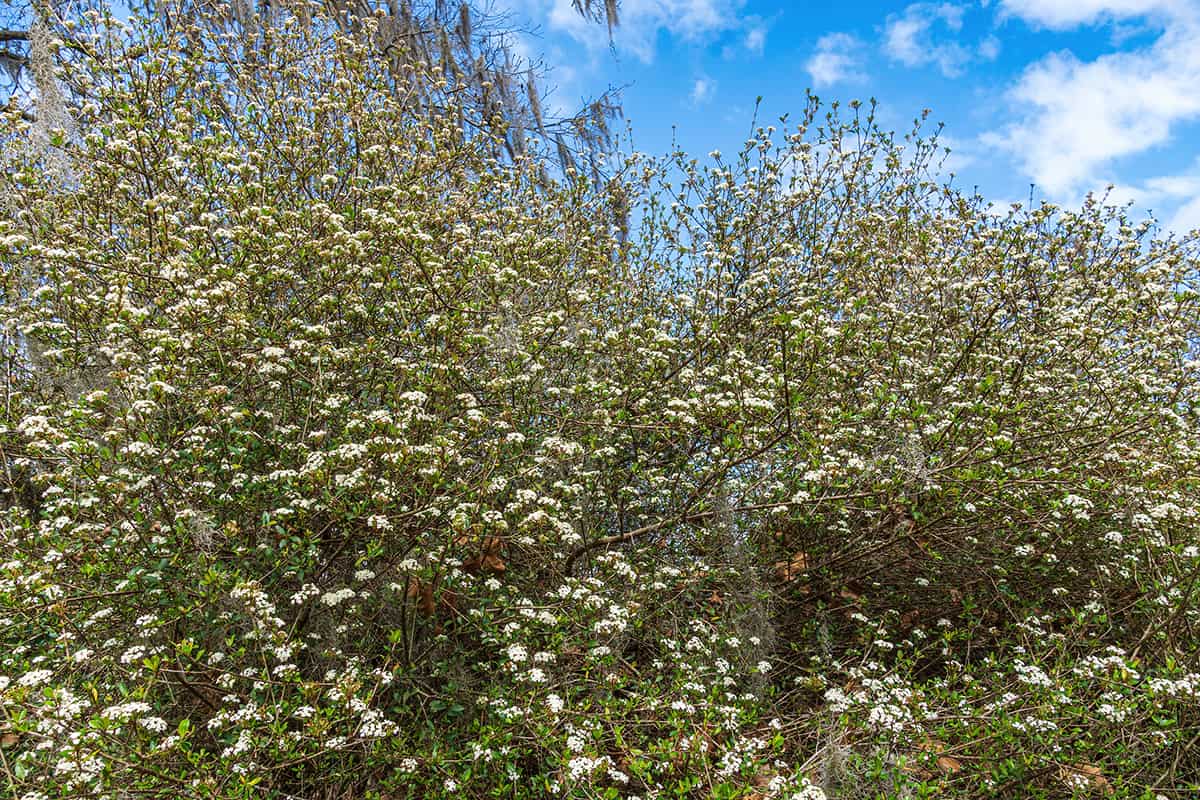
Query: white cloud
{"type": "Point", "coordinates": [962, 154]}
{"type": "Point", "coordinates": [1174, 199]}
{"type": "Point", "coordinates": [1187, 217]}
{"type": "Point", "coordinates": [1179, 195]}
{"type": "Point", "coordinates": [989, 48]}
{"type": "Point", "coordinates": [1075, 118]}
{"type": "Point", "coordinates": [908, 37]}
{"type": "Point", "coordinates": [703, 90]}
{"type": "Point", "coordinates": [756, 39]}
{"type": "Point", "coordinates": [753, 39]}
{"type": "Point", "coordinates": [641, 21]}
{"type": "Point", "coordinates": [835, 60]}
{"type": "Point", "coordinates": [1064, 14]}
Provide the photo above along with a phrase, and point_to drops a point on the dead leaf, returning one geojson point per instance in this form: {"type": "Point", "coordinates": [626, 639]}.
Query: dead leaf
{"type": "Point", "coordinates": [487, 560]}
{"type": "Point", "coordinates": [762, 780]}
{"type": "Point", "coordinates": [485, 563]}
{"type": "Point", "coordinates": [949, 764]}
{"type": "Point", "coordinates": [792, 568]}
{"type": "Point", "coordinates": [423, 593]}
{"type": "Point", "coordinates": [427, 606]}
{"type": "Point", "coordinates": [1085, 775]}
{"type": "Point", "coordinates": [9, 739]}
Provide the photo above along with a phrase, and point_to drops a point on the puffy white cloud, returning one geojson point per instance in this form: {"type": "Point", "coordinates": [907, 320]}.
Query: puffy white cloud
{"type": "Point", "coordinates": [756, 39]}
{"type": "Point", "coordinates": [753, 39]}
{"type": "Point", "coordinates": [908, 37]}
{"type": "Point", "coordinates": [989, 48]}
{"type": "Point", "coordinates": [1064, 14]}
{"type": "Point", "coordinates": [642, 21]}
{"type": "Point", "coordinates": [1178, 195]}
{"type": "Point", "coordinates": [703, 90]}
{"type": "Point", "coordinates": [963, 153]}
{"type": "Point", "coordinates": [1187, 217]}
{"type": "Point", "coordinates": [837, 59]}
{"type": "Point", "coordinates": [1074, 118]}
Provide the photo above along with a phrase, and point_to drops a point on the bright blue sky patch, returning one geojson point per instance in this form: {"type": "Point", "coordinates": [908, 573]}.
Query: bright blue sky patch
{"type": "Point", "coordinates": [1067, 95]}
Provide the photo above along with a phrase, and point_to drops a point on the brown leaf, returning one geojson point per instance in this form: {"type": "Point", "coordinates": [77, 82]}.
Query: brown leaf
{"type": "Point", "coordinates": [426, 605]}
{"type": "Point", "coordinates": [917, 771]}
{"type": "Point", "coordinates": [9, 739]}
{"type": "Point", "coordinates": [762, 780]}
{"type": "Point", "coordinates": [1086, 775]}
{"type": "Point", "coordinates": [487, 560]}
{"type": "Point", "coordinates": [949, 764]}
{"type": "Point", "coordinates": [792, 568]}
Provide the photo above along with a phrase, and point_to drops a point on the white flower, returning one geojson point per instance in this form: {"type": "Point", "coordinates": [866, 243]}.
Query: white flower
{"type": "Point", "coordinates": [837, 700]}
{"type": "Point", "coordinates": [35, 677]}
{"type": "Point", "coordinates": [135, 653]}
{"type": "Point", "coordinates": [810, 792]}
{"type": "Point", "coordinates": [334, 598]}
{"type": "Point", "coordinates": [125, 711]}
{"type": "Point", "coordinates": [153, 724]}
{"type": "Point", "coordinates": [554, 703]}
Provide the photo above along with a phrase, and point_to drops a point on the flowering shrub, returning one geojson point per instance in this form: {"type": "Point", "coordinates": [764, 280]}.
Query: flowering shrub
{"type": "Point", "coordinates": [342, 459]}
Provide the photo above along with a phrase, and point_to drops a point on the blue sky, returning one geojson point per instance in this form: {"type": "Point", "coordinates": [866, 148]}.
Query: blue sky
{"type": "Point", "coordinates": [1068, 95]}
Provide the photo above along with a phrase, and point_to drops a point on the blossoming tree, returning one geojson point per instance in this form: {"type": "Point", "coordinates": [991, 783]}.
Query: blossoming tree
{"type": "Point", "coordinates": [344, 458]}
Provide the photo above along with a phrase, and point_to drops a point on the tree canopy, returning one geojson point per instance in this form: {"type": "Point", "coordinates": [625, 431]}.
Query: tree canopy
{"type": "Point", "coordinates": [348, 451]}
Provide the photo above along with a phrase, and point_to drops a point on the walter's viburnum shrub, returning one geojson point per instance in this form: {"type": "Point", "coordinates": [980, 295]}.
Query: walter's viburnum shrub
{"type": "Point", "coordinates": [341, 459]}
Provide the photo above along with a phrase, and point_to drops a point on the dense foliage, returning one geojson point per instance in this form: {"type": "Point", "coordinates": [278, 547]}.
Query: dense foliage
{"type": "Point", "coordinates": [342, 459]}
